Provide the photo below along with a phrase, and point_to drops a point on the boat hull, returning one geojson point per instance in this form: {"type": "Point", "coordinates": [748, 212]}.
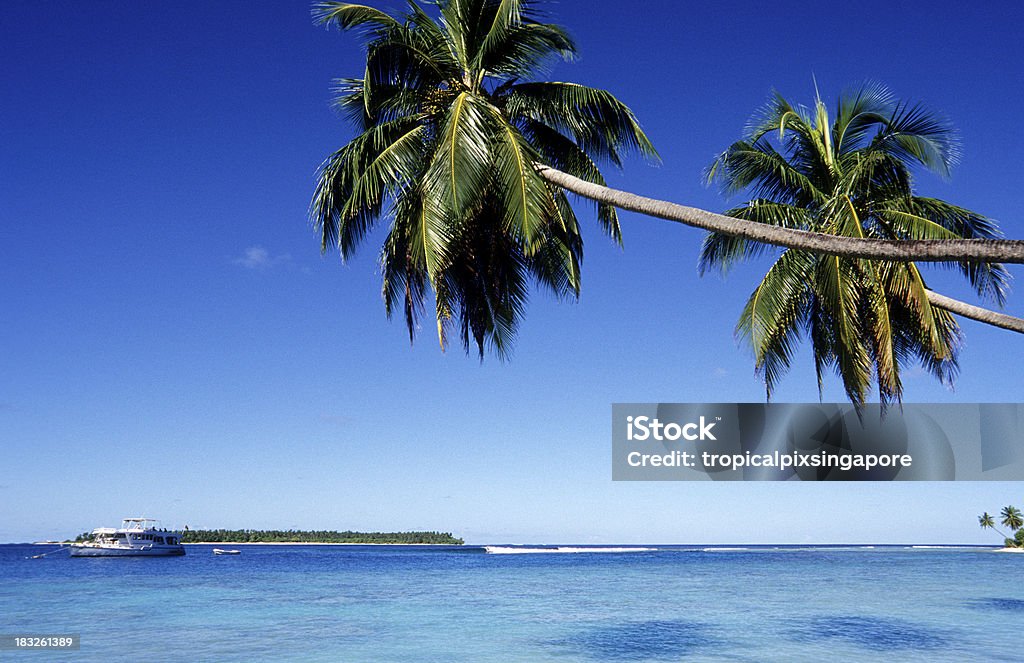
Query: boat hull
{"type": "Point", "coordinates": [124, 551]}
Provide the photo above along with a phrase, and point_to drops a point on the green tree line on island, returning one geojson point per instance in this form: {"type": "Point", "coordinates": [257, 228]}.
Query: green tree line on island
{"type": "Point", "coordinates": [317, 536]}
{"type": "Point", "coordinates": [306, 536]}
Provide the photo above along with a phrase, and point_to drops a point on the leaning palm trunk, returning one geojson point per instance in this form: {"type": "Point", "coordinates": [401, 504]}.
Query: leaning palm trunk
{"type": "Point", "coordinates": [986, 250]}
{"type": "Point", "coordinates": [978, 313]}
{"type": "Point", "coordinates": [924, 250]}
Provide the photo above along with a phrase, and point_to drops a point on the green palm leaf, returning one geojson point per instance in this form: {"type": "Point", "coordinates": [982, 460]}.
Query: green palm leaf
{"type": "Point", "coordinates": [770, 320]}
{"type": "Point", "coordinates": [912, 133]}
{"type": "Point", "coordinates": [346, 16]}
{"type": "Point", "coordinates": [348, 199]}
{"type": "Point", "coordinates": [599, 123]}
{"type": "Point", "coordinates": [525, 197]}
{"type": "Point", "coordinates": [858, 113]}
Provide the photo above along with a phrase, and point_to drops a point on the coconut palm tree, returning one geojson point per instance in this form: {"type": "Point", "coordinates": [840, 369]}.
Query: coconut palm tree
{"type": "Point", "coordinates": [1011, 517]}
{"type": "Point", "coordinates": [452, 124]}
{"type": "Point", "coordinates": [469, 160]}
{"type": "Point", "coordinates": [849, 175]}
{"type": "Point", "coordinates": [988, 522]}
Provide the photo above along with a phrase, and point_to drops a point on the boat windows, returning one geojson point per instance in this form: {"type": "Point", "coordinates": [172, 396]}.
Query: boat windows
{"type": "Point", "coordinates": [159, 539]}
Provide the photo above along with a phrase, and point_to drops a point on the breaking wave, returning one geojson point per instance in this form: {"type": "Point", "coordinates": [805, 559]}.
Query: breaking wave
{"type": "Point", "coordinates": [520, 550]}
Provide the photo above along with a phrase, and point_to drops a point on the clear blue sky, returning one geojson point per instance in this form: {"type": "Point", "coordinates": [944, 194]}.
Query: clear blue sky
{"type": "Point", "coordinates": [173, 344]}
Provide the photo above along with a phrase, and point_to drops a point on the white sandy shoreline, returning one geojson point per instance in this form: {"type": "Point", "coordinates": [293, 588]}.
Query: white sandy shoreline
{"type": "Point", "coordinates": [1011, 550]}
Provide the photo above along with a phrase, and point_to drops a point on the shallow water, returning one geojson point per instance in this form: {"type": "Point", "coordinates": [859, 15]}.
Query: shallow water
{"type": "Point", "coordinates": [401, 603]}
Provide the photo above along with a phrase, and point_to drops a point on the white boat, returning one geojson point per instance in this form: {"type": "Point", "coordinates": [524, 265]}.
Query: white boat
{"type": "Point", "coordinates": [137, 537]}
{"type": "Point", "coordinates": [221, 551]}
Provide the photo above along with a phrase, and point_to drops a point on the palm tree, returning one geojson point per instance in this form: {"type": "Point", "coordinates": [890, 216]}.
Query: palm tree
{"type": "Point", "coordinates": [1011, 517]}
{"type": "Point", "coordinates": [469, 161]}
{"type": "Point", "coordinates": [848, 176]}
{"type": "Point", "coordinates": [988, 522]}
{"type": "Point", "coordinates": [452, 125]}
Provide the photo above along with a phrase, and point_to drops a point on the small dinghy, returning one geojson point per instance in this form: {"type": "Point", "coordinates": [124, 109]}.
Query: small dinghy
{"type": "Point", "coordinates": [220, 551]}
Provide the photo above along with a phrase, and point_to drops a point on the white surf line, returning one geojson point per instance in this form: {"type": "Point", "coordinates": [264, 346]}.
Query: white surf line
{"type": "Point", "coordinates": [514, 550]}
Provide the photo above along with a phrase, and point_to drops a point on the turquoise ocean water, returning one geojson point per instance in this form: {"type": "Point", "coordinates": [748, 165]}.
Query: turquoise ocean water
{"type": "Point", "coordinates": [405, 603]}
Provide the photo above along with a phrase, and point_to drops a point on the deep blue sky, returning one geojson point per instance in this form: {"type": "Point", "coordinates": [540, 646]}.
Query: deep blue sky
{"type": "Point", "coordinates": [173, 344]}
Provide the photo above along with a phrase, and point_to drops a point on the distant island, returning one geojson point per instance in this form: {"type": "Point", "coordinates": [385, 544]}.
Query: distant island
{"type": "Point", "coordinates": [1011, 519]}
{"type": "Point", "coordinates": [318, 536]}
{"type": "Point", "coordinates": [306, 536]}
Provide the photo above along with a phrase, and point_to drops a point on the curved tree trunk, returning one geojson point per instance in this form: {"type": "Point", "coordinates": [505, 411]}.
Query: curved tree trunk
{"type": "Point", "coordinates": [976, 312]}
{"type": "Point", "coordinates": [981, 250]}
{"type": "Point", "coordinates": [904, 250]}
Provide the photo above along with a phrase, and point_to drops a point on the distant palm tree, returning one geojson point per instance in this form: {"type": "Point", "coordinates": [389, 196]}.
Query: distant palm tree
{"type": "Point", "coordinates": [987, 522]}
{"type": "Point", "coordinates": [1011, 517]}
{"type": "Point", "coordinates": [849, 176]}
{"type": "Point", "coordinates": [452, 124]}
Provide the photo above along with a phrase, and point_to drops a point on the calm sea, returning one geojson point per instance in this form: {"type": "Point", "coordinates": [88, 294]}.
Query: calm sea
{"type": "Point", "coordinates": [399, 603]}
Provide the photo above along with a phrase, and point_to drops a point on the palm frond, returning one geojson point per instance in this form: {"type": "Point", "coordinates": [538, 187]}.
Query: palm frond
{"type": "Point", "coordinates": [598, 122]}
{"type": "Point", "coordinates": [527, 50]}
{"type": "Point", "coordinates": [386, 173]}
{"type": "Point", "coordinates": [486, 284]}
{"type": "Point", "coordinates": [403, 270]}
{"type": "Point", "coordinates": [766, 173]}
{"type": "Point", "coordinates": [857, 113]}
{"type": "Point", "coordinates": [346, 16]}
{"type": "Point", "coordinates": [555, 264]}
{"type": "Point", "coordinates": [350, 103]}
{"type": "Point", "coordinates": [525, 199]}
{"type": "Point", "coordinates": [912, 133]}
{"type": "Point", "coordinates": [456, 177]}
{"type": "Point", "coordinates": [879, 331]}
{"type": "Point", "coordinates": [342, 219]}
{"type": "Point", "coordinates": [771, 320]}
{"type": "Point", "coordinates": [873, 175]}
{"type": "Point", "coordinates": [434, 39]}
{"type": "Point", "coordinates": [776, 116]}
{"type": "Point", "coordinates": [457, 24]}
{"type": "Point", "coordinates": [837, 286]}
{"type": "Point", "coordinates": [403, 60]}
{"type": "Point", "coordinates": [501, 18]}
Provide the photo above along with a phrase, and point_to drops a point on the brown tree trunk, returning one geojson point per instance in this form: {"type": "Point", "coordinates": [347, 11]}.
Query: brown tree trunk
{"type": "Point", "coordinates": [939, 250]}
{"type": "Point", "coordinates": [976, 312]}
{"type": "Point", "coordinates": [904, 250]}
